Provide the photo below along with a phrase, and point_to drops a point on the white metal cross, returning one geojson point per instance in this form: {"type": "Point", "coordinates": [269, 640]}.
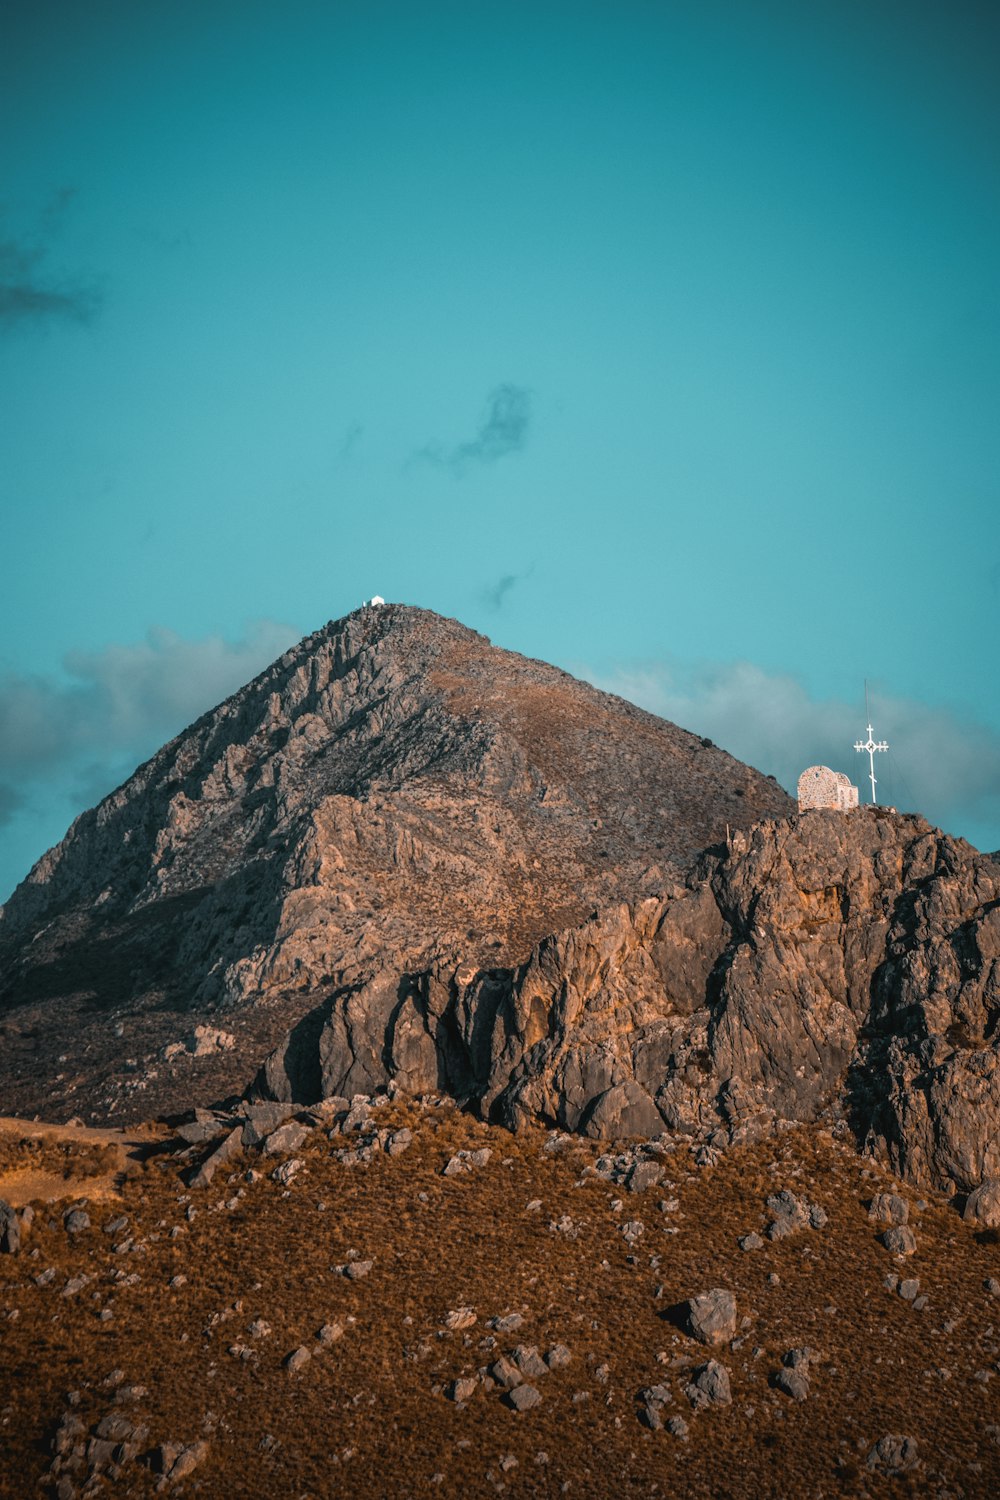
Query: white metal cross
{"type": "Point", "coordinates": [871, 746]}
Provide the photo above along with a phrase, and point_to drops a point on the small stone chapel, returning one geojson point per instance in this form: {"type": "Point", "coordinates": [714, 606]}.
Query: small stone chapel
{"type": "Point", "coordinates": [819, 787]}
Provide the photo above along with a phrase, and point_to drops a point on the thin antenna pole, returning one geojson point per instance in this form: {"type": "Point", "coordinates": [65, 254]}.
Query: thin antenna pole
{"type": "Point", "coordinates": [870, 745]}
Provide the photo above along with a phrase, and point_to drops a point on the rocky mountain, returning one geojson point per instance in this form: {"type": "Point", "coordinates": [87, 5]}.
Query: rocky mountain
{"type": "Point", "coordinates": [539, 1038]}
{"type": "Point", "coordinates": [391, 793]}
{"type": "Point", "coordinates": [402, 856]}
{"type": "Point", "coordinates": [830, 967]}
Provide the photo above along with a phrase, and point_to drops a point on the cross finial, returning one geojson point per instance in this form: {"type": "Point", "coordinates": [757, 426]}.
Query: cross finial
{"type": "Point", "coordinates": [871, 745]}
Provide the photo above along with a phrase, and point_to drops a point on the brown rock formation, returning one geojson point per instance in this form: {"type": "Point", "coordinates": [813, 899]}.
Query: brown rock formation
{"type": "Point", "coordinates": [823, 966]}
{"type": "Point", "coordinates": [392, 790]}
{"type": "Point", "coordinates": [403, 854]}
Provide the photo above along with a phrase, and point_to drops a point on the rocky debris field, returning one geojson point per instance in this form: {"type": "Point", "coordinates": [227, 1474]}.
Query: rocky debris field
{"type": "Point", "coordinates": [383, 1295]}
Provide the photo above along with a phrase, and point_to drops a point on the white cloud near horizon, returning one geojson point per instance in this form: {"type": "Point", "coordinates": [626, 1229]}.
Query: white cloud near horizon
{"type": "Point", "coordinates": [121, 703]}
{"type": "Point", "coordinates": [940, 765]}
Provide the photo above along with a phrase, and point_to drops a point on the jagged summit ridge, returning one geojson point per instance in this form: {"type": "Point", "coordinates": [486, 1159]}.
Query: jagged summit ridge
{"type": "Point", "coordinates": [391, 788]}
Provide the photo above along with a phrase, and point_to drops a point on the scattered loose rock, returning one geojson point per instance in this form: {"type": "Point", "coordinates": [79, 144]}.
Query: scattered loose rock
{"type": "Point", "coordinates": [900, 1240]}
{"type": "Point", "coordinates": [10, 1230]}
{"type": "Point", "coordinates": [889, 1208]}
{"type": "Point", "coordinates": [298, 1358]}
{"type": "Point", "coordinates": [794, 1382]}
{"type": "Point", "coordinates": [529, 1361]}
{"type": "Point", "coordinates": [523, 1397]}
{"type": "Point", "coordinates": [462, 1390]}
{"type": "Point", "coordinates": [983, 1205]}
{"type": "Point", "coordinates": [893, 1455]}
{"type": "Point", "coordinates": [711, 1317]}
{"type": "Point", "coordinates": [710, 1386]}
{"type": "Point", "coordinates": [466, 1161]}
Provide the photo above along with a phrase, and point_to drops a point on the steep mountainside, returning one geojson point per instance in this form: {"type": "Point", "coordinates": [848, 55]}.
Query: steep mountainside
{"type": "Point", "coordinates": [392, 790]}
{"type": "Point", "coordinates": [831, 966]}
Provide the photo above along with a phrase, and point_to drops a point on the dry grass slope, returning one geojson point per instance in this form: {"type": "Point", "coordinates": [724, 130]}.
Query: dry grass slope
{"type": "Point", "coordinates": [170, 1298]}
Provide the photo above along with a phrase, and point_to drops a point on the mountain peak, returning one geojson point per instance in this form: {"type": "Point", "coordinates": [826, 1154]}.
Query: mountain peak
{"type": "Point", "coordinates": [392, 785]}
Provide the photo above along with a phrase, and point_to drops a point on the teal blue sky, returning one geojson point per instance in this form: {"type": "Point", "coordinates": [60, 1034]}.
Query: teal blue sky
{"type": "Point", "coordinates": [657, 340]}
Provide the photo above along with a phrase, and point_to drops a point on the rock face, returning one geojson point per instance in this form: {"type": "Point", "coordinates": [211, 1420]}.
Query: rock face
{"type": "Point", "coordinates": [822, 966]}
{"type": "Point", "coordinates": [392, 789]}
{"type": "Point", "coordinates": [401, 854]}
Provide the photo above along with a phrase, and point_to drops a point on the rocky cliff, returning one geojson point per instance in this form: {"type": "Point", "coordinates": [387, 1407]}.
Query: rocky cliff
{"type": "Point", "coordinates": [402, 854]}
{"type": "Point", "coordinates": [392, 790]}
{"type": "Point", "coordinates": [843, 967]}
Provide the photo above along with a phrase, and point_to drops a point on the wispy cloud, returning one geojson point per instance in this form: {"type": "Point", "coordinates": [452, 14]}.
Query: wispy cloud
{"type": "Point", "coordinates": [503, 430]}
{"type": "Point", "coordinates": [122, 702]}
{"type": "Point", "coordinates": [32, 292]}
{"type": "Point", "coordinates": [350, 441]}
{"type": "Point", "coordinates": [939, 764]}
{"type": "Point", "coordinates": [10, 803]}
{"type": "Point", "coordinates": [495, 594]}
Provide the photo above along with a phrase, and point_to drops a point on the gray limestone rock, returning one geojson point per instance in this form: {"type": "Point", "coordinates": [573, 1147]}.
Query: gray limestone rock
{"type": "Point", "coordinates": [983, 1205]}
{"type": "Point", "coordinates": [794, 1382]}
{"type": "Point", "coordinates": [186, 1460]}
{"type": "Point", "coordinates": [709, 1386]}
{"type": "Point", "coordinates": [262, 1119]}
{"type": "Point", "coordinates": [889, 1208]}
{"type": "Point", "coordinates": [398, 1142]}
{"type": "Point", "coordinates": [463, 1389]}
{"type": "Point", "coordinates": [643, 1175]}
{"type": "Point", "coordinates": [504, 1372]}
{"type": "Point", "coordinates": [900, 1240]}
{"type": "Point", "coordinates": [508, 1323]}
{"type": "Point", "coordinates": [529, 1361]}
{"type": "Point", "coordinates": [202, 1176]}
{"type": "Point", "coordinates": [288, 1137]}
{"type": "Point", "coordinates": [624, 1110]}
{"type": "Point", "coordinates": [10, 1230]}
{"type": "Point", "coordinates": [893, 1454]}
{"type": "Point", "coordinates": [523, 1397]}
{"type": "Point", "coordinates": [711, 1317]}
{"type": "Point", "coordinates": [790, 1215]}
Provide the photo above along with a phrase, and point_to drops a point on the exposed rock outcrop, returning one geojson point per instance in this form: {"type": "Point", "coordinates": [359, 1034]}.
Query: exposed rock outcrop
{"type": "Point", "coordinates": [823, 966]}
{"type": "Point", "coordinates": [391, 789]}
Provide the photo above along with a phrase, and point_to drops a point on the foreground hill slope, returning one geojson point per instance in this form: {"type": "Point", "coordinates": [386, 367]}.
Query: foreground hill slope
{"type": "Point", "coordinates": [394, 788]}
{"type": "Point", "coordinates": [345, 1317]}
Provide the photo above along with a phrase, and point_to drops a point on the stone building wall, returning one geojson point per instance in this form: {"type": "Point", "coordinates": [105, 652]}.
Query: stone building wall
{"type": "Point", "coordinates": [819, 787]}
